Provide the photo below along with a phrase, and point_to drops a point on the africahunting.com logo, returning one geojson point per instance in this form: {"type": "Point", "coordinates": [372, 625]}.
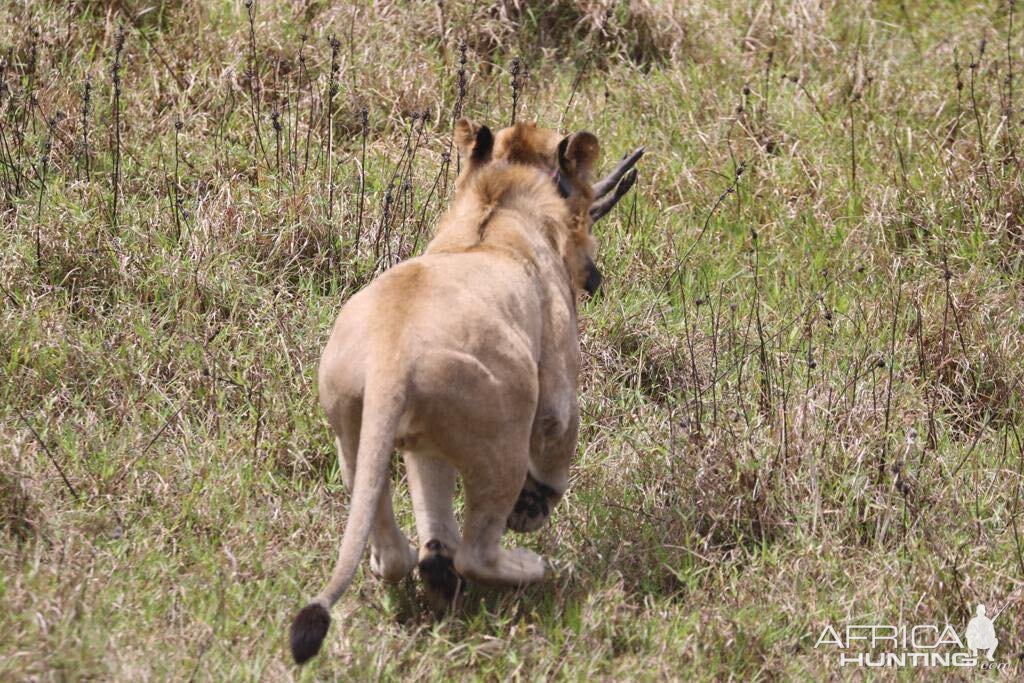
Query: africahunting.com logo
{"type": "Point", "coordinates": [921, 645]}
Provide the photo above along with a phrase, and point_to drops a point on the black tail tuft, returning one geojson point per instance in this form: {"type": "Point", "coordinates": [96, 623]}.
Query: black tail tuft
{"type": "Point", "coordinates": [308, 631]}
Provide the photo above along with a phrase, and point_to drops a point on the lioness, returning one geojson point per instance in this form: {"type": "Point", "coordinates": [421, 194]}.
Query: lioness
{"type": "Point", "coordinates": [466, 359]}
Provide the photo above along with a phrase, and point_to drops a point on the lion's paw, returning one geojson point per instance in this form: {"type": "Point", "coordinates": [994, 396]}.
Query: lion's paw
{"type": "Point", "coordinates": [533, 507]}
{"type": "Point", "coordinates": [392, 564]}
{"type": "Point", "coordinates": [437, 572]}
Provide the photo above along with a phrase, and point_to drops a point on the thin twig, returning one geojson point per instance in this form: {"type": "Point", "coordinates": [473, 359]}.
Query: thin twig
{"type": "Point", "coordinates": [49, 453]}
{"type": "Point", "coordinates": [888, 394]}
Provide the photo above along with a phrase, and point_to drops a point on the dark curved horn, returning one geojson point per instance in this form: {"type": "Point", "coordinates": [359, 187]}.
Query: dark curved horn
{"type": "Point", "coordinates": [605, 185]}
{"type": "Point", "coordinates": [600, 208]}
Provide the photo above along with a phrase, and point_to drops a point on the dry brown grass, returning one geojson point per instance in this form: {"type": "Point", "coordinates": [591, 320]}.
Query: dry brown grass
{"type": "Point", "coordinates": [792, 418]}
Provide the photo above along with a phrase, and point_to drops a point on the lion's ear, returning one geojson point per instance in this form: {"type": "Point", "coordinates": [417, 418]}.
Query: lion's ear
{"type": "Point", "coordinates": [578, 154]}
{"type": "Point", "coordinates": [475, 143]}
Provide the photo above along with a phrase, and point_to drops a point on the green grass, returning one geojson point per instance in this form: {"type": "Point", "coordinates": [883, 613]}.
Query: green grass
{"type": "Point", "coordinates": [790, 419]}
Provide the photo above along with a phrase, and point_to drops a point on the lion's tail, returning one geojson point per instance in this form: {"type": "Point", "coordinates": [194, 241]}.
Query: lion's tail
{"type": "Point", "coordinates": [382, 409]}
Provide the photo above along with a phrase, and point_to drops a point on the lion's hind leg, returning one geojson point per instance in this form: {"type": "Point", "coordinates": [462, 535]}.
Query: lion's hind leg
{"type": "Point", "coordinates": [491, 493]}
{"type": "Point", "coordinates": [432, 486]}
{"type": "Point", "coordinates": [391, 556]}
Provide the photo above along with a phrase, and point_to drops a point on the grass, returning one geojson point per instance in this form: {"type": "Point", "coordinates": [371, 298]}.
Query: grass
{"type": "Point", "coordinates": [801, 398]}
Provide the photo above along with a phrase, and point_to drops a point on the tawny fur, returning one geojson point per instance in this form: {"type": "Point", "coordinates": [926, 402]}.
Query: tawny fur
{"type": "Point", "coordinates": [466, 359]}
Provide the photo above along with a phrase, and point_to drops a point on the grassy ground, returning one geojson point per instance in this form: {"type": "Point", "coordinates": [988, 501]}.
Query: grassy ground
{"type": "Point", "coordinates": [801, 389]}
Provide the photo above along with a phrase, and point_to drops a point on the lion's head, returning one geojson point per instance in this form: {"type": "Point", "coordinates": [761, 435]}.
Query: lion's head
{"type": "Point", "coordinates": [569, 160]}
